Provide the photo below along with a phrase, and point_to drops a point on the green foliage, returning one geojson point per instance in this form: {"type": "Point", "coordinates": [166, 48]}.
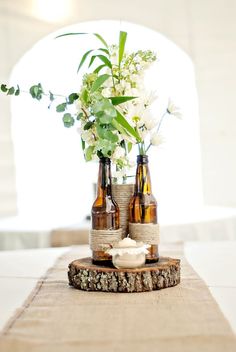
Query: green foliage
{"type": "Point", "coordinates": [122, 41]}
{"type": "Point", "coordinates": [61, 107]}
{"type": "Point", "coordinates": [120, 99]}
{"type": "Point", "coordinates": [89, 152]}
{"type": "Point", "coordinates": [36, 91]}
{"type": "Point", "coordinates": [68, 120]}
{"type": "Point", "coordinates": [99, 82]}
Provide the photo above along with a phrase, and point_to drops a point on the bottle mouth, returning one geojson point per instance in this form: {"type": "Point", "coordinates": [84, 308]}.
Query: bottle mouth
{"type": "Point", "coordinates": [142, 159]}
{"type": "Point", "coordinates": [105, 160]}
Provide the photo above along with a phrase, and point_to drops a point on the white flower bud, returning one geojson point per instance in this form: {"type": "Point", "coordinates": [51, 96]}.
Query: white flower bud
{"type": "Point", "coordinates": [156, 139]}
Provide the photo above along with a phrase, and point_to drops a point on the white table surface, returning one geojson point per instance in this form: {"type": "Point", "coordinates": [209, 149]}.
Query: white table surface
{"type": "Point", "coordinates": [209, 259]}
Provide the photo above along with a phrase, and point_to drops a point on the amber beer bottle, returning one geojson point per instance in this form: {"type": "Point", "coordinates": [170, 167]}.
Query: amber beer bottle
{"type": "Point", "coordinates": [105, 211]}
{"type": "Point", "coordinates": [143, 205]}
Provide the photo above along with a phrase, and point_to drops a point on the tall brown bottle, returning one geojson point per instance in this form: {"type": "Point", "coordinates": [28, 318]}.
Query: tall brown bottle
{"type": "Point", "coordinates": [143, 205]}
{"type": "Point", "coordinates": [105, 211]}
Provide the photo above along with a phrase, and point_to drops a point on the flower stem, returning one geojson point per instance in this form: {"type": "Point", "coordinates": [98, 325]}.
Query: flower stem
{"type": "Point", "coordinates": [158, 127]}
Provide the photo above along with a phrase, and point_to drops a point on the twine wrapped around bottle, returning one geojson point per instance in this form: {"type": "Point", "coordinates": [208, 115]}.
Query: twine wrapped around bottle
{"type": "Point", "coordinates": [122, 195]}
{"type": "Point", "coordinates": [147, 233]}
{"type": "Point", "coordinates": [101, 240]}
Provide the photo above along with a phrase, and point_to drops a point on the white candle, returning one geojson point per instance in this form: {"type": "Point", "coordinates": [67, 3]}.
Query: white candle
{"type": "Point", "coordinates": [128, 254]}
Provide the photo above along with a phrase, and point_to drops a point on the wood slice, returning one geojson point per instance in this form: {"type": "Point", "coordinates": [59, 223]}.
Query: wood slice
{"type": "Point", "coordinates": [84, 275]}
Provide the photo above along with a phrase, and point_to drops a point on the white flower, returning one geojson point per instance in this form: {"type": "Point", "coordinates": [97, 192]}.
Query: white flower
{"type": "Point", "coordinates": [106, 92]}
{"type": "Point", "coordinates": [149, 121]}
{"type": "Point", "coordinates": [156, 139]}
{"type": "Point", "coordinates": [87, 136]}
{"type": "Point", "coordinates": [118, 153]}
{"type": "Point", "coordinates": [173, 109]}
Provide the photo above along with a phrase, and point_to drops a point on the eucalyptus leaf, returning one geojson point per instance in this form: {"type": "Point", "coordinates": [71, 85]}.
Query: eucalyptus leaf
{"type": "Point", "coordinates": [4, 88]}
{"type": "Point", "coordinates": [79, 116]}
{"type": "Point", "coordinates": [82, 144]}
{"type": "Point", "coordinates": [68, 120]}
{"type": "Point", "coordinates": [17, 92]}
{"type": "Point", "coordinates": [122, 41]}
{"type": "Point", "coordinates": [72, 98]}
{"type": "Point", "coordinates": [99, 81]}
{"type": "Point", "coordinates": [88, 125]}
{"type": "Point", "coordinates": [11, 91]}
{"type": "Point", "coordinates": [51, 96]}
{"type": "Point", "coordinates": [61, 107]}
{"type": "Point", "coordinates": [89, 152]}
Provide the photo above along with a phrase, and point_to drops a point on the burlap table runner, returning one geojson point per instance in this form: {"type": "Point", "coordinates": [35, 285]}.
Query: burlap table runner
{"type": "Point", "coordinates": [60, 318]}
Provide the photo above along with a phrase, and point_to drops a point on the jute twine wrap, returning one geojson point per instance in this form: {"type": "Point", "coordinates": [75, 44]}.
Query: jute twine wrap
{"type": "Point", "coordinates": [147, 233]}
{"type": "Point", "coordinates": [100, 240]}
{"type": "Point", "coordinates": [122, 195]}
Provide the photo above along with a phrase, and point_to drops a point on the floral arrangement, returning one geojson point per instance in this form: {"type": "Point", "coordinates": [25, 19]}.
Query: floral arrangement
{"type": "Point", "coordinates": [112, 107]}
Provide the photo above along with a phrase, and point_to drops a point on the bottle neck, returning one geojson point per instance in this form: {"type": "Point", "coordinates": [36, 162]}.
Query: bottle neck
{"type": "Point", "coordinates": [104, 178]}
{"type": "Point", "coordinates": [143, 178]}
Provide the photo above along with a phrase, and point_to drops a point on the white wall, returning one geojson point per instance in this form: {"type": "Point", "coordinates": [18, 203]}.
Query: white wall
{"type": "Point", "coordinates": [205, 29]}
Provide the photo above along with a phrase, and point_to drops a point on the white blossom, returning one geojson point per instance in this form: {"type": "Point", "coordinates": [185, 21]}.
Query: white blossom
{"type": "Point", "coordinates": [156, 139]}
{"type": "Point", "coordinates": [173, 109]}
{"type": "Point", "coordinates": [118, 153]}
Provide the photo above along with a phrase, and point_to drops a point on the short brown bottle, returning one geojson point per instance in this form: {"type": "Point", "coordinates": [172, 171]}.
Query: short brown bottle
{"type": "Point", "coordinates": [143, 205]}
{"type": "Point", "coordinates": [105, 211]}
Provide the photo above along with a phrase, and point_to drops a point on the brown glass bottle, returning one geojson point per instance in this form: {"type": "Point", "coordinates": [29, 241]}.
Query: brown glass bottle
{"type": "Point", "coordinates": [105, 211]}
{"type": "Point", "coordinates": [143, 205]}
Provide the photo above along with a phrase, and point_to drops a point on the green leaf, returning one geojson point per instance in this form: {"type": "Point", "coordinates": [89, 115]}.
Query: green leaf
{"type": "Point", "coordinates": [66, 34]}
{"type": "Point", "coordinates": [99, 68]}
{"type": "Point", "coordinates": [92, 60]}
{"type": "Point", "coordinates": [89, 152]}
{"type": "Point", "coordinates": [121, 99]}
{"type": "Point", "coordinates": [106, 61]}
{"type": "Point", "coordinates": [4, 88]}
{"type": "Point", "coordinates": [104, 50]}
{"type": "Point", "coordinates": [124, 123]}
{"type": "Point", "coordinates": [68, 120]}
{"type": "Point", "coordinates": [101, 39]}
{"type": "Point", "coordinates": [11, 91]}
{"type": "Point", "coordinates": [79, 116]}
{"type": "Point", "coordinates": [84, 57]}
{"type": "Point", "coordinates": [99, 81]}
{"type": "Point", "coordinates": [72, 98]}
{"type": "Point", "coordinates": [129, 146]}
{"type": "Point", "coordinates": [36, 91]}
{"type": "Point", "coordinates": [119, 128]}
{"type": "Point", "coordinates": [84, 96]}
{"type": "Point", "coordinates": [122, 41]}
{"type": "Point", "coordinates": [61, 107]}
{"type": "Point", "coordinates": [51, 96]}
{"type": "Point", "coordinates": [88, 125]}
{"type": "Point", "coordinates": [82, 144]}
{"type": "Point", "coordinates": [105, 133]}
{"type": "Point", "coordinates": [17, 92]}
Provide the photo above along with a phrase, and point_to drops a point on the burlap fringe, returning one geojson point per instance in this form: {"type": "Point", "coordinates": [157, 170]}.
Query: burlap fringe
{"type": "Point", "coordinates": [100, 240]}
{"type": "Point", "coordinates": [147, 233]}
{"type": "Point", "coordinates": [122, 195]}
